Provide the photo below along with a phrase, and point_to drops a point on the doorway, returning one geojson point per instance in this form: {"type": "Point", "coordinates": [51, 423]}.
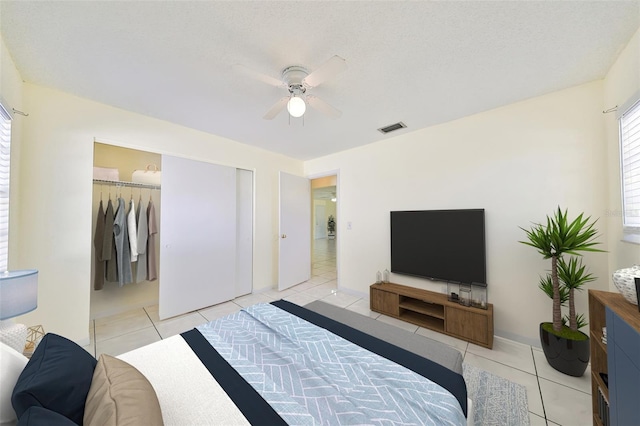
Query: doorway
{"type": "Point", "coordinates": [324, 230]}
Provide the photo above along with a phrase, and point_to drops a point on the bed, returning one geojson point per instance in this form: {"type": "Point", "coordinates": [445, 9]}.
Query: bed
{"type": "Point", "coordinates": [279, 363]}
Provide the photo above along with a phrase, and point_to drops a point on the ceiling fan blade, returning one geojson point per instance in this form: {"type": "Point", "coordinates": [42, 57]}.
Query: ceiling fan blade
{"type": "Point", "coordinates": [272, 81]}
{"type": "Point", "coordinates": [332, 67]}
{"type": "Point", "coordinates": [317, 103]}
{"type": "Point", "coordinates": [275, 109]}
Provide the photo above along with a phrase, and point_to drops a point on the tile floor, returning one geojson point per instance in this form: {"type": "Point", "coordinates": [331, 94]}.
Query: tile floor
{"type": "Point", "coordinates": [553, 398]}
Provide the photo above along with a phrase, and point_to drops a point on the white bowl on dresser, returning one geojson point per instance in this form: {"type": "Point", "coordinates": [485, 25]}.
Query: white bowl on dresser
{"type": "Point", "coordinates": [624, 280]}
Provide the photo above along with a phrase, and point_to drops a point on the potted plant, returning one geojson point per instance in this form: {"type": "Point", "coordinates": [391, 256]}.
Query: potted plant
{"type": "Point", "coordinates": [565, 347]}
{"type": "Point", "coordinates": [331, 227]}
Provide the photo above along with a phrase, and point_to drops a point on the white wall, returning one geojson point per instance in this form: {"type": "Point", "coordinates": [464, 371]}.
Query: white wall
{"type": "Point", "coordinates": [517, 162]}
{"type": "Point", "coordinates": [56, 189]}
{"type": "Point", "coordinates": [621, 83]}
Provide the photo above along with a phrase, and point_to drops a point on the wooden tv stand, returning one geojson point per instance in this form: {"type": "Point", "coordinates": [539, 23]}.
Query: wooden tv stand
{"type": "Point", "coordinates": [432, 310]}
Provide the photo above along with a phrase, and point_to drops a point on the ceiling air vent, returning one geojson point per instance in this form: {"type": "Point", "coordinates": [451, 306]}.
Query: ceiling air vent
{"type": "Point", "coordinates": [392, 127]}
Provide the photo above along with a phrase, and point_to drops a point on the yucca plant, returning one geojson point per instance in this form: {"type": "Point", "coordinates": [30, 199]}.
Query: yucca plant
{"type": "Point", "coordinates": [554, 239]}
{"type": "Point", "coordinates": [573, 276]}
{"type": "Point", "coordinates": [546, 285]}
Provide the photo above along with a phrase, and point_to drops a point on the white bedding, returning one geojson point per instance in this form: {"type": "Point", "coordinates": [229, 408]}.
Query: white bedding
{"type": "Point", "coordinates": [187, 392]}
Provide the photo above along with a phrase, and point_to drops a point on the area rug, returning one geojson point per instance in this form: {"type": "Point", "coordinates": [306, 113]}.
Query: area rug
{"type": "Point", "coordinates": [496, 401]}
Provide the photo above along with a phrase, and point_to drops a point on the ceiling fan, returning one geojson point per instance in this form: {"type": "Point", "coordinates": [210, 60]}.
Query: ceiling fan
{"type": "Point", "coordinates": [298, 80]}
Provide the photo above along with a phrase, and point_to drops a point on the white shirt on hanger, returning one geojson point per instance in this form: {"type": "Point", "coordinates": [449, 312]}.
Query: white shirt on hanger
{"type": "Point", "coordinates": [133, 233]}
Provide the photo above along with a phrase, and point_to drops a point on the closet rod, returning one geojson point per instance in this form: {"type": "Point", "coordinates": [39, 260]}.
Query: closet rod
{"type": "Point", "coordinates": [122, 183]}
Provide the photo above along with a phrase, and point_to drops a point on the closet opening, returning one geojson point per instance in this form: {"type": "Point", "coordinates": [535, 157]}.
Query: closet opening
{"type": "Point", "coordinates": [201, 239]}
{"type": "Point", "coordinates": [120, 281]}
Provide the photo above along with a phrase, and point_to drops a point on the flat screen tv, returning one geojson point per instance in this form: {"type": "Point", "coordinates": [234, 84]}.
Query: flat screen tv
{"type": "Point", "coordinates": [444, 245]}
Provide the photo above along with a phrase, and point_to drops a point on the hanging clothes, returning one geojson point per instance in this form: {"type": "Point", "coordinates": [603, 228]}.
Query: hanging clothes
{"type": "Point", "coordinates": [143, 234]}
{"type": "Point", "coordinates": [122, 245]}
{"type": "Point", "coordinates": [98, 238]}
{"type": "Point", "coordinates": [132, 232]}
{"type": "Point", "coordinates": [152, 268]}
{"type": "Point", "coordinates": [108, 244]}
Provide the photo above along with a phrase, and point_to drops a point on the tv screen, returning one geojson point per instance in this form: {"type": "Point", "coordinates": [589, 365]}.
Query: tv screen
{"type": "Point", "coordinates": [446, 245]}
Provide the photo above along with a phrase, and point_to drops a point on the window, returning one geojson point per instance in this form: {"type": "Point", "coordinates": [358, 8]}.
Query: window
{"type": "Point", "coordinates": [5, 156]}
{"type": "Point", "coordinates": [630, 153]}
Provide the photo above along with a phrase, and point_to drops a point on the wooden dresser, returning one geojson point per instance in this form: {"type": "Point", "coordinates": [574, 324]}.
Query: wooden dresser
{"type": "Point", "coordinates": [615, 366]}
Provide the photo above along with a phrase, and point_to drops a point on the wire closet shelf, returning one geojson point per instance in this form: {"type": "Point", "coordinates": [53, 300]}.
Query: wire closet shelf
{"type": "Point", "coordinates": [119, 183]}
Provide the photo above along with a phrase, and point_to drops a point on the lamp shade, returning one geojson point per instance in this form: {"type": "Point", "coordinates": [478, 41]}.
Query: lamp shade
{"type": "Point", "coordinates": [296, 106]}
{"type": "Point", "coordinates": [18, 292]}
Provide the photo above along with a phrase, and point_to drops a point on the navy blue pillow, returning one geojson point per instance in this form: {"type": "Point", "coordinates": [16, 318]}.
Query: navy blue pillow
{"type": "Point", "coordinates": [57, 377]}
{"type": "Point", "coordinates": [38, 416]}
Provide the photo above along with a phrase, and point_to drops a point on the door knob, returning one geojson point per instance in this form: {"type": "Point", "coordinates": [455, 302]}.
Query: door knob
{"type": "Point", "coordinates": [284, 235]}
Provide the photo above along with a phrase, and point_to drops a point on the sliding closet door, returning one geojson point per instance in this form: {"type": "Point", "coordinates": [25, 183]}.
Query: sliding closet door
{"type": "Point", "coordinates": [244, 232]}
{"type": "Point", "coordinates": [198, 240]}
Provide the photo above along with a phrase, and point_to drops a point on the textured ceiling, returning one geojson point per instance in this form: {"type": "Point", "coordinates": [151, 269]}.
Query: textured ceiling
{"type": "Point", "coordinates": [419, 62]}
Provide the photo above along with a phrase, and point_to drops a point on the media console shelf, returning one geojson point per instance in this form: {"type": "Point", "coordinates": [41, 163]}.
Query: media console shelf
{"type": "Point", "coordinates": [432, 310]}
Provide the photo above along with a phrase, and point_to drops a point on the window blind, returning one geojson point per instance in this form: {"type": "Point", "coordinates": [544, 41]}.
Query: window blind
{"type": "Point", "coordinates": [630, 150]}
{"type": "Point", "coordinates": [5, 163]}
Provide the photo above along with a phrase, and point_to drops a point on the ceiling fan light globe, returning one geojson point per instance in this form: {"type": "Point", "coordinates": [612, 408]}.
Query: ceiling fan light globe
{"type": "Point", "coordinates": [296, 106]}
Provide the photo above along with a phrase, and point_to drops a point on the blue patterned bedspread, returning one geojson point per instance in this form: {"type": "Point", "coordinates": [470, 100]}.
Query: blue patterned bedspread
{"type": "Point", "coordinates": [311, 376]}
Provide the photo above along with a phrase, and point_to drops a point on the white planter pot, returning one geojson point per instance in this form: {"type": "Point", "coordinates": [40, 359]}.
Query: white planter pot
{"type": "Point", "coordinates": [624, 280]}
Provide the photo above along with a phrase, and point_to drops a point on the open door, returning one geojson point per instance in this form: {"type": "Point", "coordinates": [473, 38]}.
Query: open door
{"type": "Point", "coordinates": [294, 262]}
